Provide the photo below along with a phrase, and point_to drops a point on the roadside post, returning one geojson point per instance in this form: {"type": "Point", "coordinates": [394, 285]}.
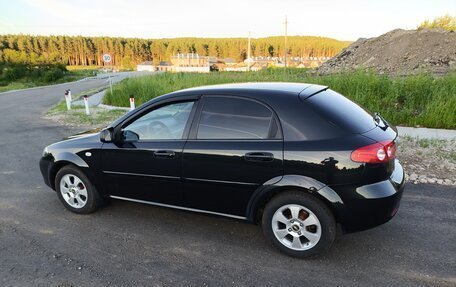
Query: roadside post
{"type": "Point", "coordinates": [86, 104]}
{"type": "Point", "coordinates": [67, 100]}
{"type": "Point", "coordinates": [132, 102]}
{"type": "Point", "coordinates": [69, 96]}
{"type": "Point", "coordinates": [110, 83]}
{"type": "Point", "coordinates": [107, 60]}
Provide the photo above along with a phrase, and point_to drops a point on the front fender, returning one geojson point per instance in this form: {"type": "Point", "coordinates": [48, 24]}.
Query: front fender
{"type": "Point", "coordinates": [71, 158]}
{"type": "Point", "coordinates": [53, 162]}
{"type": "Point", "coordinates": [294, 182]}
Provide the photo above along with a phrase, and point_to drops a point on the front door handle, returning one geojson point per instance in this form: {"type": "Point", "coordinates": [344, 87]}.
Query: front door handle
{"type": "Point", "coordinates": [164, 153]}
{"type": "Point", "coordinates": [259, 156]}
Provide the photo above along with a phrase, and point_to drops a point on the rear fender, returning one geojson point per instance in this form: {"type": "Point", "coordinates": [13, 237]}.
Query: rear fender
{"type": "Point", "coordinates": [294, 182]}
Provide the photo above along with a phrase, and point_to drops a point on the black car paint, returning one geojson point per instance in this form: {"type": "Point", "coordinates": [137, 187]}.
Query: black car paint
{"type": "Point", "coordinates": [313, 155]}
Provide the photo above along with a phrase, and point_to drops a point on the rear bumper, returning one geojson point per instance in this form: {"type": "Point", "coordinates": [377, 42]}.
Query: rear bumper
{"type": "Point", "coordinates": [371, 205]}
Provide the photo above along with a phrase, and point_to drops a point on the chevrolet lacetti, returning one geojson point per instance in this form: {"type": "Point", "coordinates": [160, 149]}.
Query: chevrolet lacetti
{"type": "Point", "coordinates": [299, 159]}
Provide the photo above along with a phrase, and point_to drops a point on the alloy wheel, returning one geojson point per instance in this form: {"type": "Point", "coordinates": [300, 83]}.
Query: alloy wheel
{"type": "Point", "coordinates": [73, 191]}
{"type": "Point", "coordinates": [296, 227]}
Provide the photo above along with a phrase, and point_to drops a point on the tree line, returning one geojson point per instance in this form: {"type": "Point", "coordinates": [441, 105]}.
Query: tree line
{"type": "Point", "coordinates": [127, 52]}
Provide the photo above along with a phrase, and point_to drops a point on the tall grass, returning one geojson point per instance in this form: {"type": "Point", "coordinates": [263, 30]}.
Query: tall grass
{"type": "Point", "coordinates": [21, 76]}
{"type": "Point", "coordinates": [420, 100]}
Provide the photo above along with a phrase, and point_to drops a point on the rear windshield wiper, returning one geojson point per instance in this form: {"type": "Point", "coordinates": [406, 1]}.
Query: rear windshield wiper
{"type": "Point", "coordinates": [380, 121]}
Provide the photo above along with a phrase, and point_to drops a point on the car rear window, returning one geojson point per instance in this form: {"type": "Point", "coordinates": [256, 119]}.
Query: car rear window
{"type": "Point", "coordinates": [342, 112]}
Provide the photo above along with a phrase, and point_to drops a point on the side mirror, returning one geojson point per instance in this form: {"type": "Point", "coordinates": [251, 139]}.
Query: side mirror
{"type": "Point", "coordinates": [129, 136]}
{"type": "Point", "coordinates": [106, 135]}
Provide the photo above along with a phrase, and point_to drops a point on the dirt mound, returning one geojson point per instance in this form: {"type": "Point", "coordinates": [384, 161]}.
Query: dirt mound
{"type": "Point", "coordinates": [399, 52]}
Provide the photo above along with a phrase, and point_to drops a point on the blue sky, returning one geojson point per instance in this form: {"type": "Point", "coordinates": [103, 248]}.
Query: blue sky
{"type": "Point", "coordinates": [343, 19]}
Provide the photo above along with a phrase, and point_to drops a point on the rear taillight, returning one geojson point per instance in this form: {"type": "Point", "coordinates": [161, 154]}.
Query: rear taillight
{"type": "Point", "coordinates": [375, 153]}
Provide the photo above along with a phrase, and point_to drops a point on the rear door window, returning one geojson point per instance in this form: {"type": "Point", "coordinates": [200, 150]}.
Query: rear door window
{"type": "Point", "coordinates": [235, 118]}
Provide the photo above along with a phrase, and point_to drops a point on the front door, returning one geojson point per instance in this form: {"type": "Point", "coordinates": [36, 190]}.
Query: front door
{"type": "Point", "coordinates": [146, 163]}
{"type": "Point", "coordinates": [235, 146]}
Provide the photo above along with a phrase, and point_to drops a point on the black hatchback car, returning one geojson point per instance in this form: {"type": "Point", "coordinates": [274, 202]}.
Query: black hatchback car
{"type": "Point", "coordinates": [300, 159]}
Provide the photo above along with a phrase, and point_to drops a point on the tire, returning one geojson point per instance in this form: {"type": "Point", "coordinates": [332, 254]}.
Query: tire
{"type": "Point", "coordinates": [75, 190]}
{"type": "Point", "coordinates": [298, 224]}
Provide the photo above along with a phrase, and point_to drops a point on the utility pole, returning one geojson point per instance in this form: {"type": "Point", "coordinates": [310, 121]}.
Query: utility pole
{"type": "Point", "coordinates": [286, 46]}
{"type": "Point", "coordinates": [248, 55]}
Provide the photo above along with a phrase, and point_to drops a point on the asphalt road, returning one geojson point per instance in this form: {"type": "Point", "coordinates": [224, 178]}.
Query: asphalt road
{"type": "Point", "coordinates": [126, 244]}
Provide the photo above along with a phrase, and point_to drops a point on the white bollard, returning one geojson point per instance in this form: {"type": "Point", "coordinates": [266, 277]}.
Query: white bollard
{"type": "Point", "coordinates": [69, 96]}
{"type": "Point", "coordinates": [68, 103]}
{"type": "Point", "coordinates": [86, 104]}
{"type": "Point", "coordinates": [132, 103]}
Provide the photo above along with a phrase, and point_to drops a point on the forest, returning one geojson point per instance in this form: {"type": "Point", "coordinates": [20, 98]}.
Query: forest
{"type": "Point", "coordinates": [127, 52]}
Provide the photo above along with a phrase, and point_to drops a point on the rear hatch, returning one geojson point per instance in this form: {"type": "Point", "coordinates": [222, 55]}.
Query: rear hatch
{"type": "Point", "coordinates": [377, 157]}
{"type": "Point", "coordinates": [340, 111]}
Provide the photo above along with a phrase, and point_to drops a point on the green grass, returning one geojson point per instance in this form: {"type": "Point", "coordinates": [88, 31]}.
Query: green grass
{"type": "Point", "coordinates": [425, 142]}
{"type": "Point", "coordinates": [83, 68]}
{"type": "Point", "coordinates": [98, 117]}
{"type": "Point", "coordinates": [76, 75]}
{"type": "Point", "coordinates": [89, 92]}
{"type": "Point", "coordinates": [16, 86]}
{"type": "Point", "coordinates": [419, 100]}
{"type": "Point", "coordinates": [443, 149]}
{"type": "Point", "coordinates": [31, 81]}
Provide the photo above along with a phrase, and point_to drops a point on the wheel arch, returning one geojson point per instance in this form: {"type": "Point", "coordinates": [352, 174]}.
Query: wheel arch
{"type": "Point", "coordinates": [294, 183]}
{"type": "Point", "coordinates": [64, 159]}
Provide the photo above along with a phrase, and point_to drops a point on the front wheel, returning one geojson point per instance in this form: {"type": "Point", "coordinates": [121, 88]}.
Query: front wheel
{"type": "Point", "coordinates": [75, 190]}
{"type": "Point", "coordinates": [299, 224]}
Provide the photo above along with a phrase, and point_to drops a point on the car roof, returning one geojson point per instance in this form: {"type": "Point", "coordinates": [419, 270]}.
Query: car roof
{"type": "Point", "coordinates": [255, 88]}
{"type": "Point", "coordinates": [268, 86]}
{"type": "Point", "coordinates": [269, 91]}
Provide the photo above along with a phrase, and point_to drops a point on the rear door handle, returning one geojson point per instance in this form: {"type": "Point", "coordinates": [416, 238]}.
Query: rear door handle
{"type": "Point", "coordinates": [259, 156]}
{"type": "Point", "coordinates": [164, 153]}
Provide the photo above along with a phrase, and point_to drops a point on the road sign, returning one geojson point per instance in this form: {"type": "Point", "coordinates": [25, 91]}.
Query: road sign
{"type": "Point", "coordinates": [107, 58]}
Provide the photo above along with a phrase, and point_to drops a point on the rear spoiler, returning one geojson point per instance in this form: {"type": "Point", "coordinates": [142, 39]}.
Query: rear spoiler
{"type": "Point", "coordinates": [311, 91]}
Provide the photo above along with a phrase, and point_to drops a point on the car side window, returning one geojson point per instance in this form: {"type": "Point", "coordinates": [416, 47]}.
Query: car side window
{"type": "Point", "coordinates": [164, 123]}
{"type": "Point", "coordinates": [235, 118]}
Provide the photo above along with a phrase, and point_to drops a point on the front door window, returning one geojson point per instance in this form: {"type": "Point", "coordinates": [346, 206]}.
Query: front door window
{"type": "Point", "coordinates": [165, 123]}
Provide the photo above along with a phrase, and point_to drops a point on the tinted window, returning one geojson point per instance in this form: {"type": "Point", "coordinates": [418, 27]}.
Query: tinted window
{"type": "Point", "coordinates": [167, 122]}
{"type": "Point", "coordinates": [234, 118]}
{"type": "Point", "coordinates": [342, 112]}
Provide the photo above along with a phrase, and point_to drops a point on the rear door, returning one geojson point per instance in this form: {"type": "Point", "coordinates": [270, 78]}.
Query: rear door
{"type": "Point", "coordinates": [235, 145]}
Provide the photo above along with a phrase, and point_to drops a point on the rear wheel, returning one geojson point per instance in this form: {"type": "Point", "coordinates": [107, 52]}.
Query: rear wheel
{"type": "Point", "coordinates": [75, 190]}
{"type": "Point", "coordinates": [299, 224]}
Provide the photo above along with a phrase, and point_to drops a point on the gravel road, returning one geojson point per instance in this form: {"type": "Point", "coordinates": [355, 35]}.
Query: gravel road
{"type": "Point", "coordinates": [126, 244]}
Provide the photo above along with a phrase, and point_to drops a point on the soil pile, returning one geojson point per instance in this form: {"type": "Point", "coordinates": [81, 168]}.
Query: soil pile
{"type": "Point", "coordinates": [399, 52]}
